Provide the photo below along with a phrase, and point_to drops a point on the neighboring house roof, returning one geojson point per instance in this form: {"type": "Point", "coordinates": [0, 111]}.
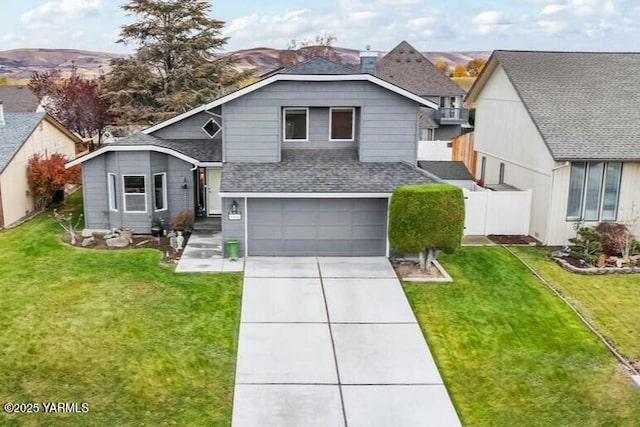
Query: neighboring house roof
{"type": "Point", "coordinates": [319, 171]}
{"type": "Point", "coordinates": [319, 65]}
{"type": "Point", "coordinates": [295, 77]}
{"type": "Point", "coordinates": [427, 121]}
{"type": "Point", "coordinates": [196, 151]}
{"type": "Point", "coordinates": [17, 128]}
{"type": "Point", "coordinates": [584, 104]}
{"type": "Point", "coordinates": [445, 169]}
{"type": "Point", "coordinates": [406, 67]}
{"type": "Point", "coordinates": [18, 99]}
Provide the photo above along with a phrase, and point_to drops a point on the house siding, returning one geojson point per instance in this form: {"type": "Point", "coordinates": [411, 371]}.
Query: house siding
{"type": "Point", "coordinates": [189, 128]}
{"type": "Point", "coordinates": [97, 212]}
{"type": "Point", "coordinates": [233, 229]}
{"type": "Point", "coordinates": [505, 133]}
{"type": "Point", "coordinates": [561, 230]}
{"type": "Point", "coordinates": [386, 130]}
{"type": "Point", "coordinates": [17, 201]}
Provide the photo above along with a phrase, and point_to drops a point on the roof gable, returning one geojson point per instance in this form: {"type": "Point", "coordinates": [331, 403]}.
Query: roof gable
{"type": "Point", "coordinates": [407, 67]}
{"type": "Point", "coordinates": [17, 128]}
{"type": "Point", "coordinates": [295, 77]}
{"type": "Point", "coordinates": [583, 103]}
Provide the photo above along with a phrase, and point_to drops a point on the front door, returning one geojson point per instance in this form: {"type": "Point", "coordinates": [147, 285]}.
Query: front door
{"type": "Point", "coordinates": [214, 204]}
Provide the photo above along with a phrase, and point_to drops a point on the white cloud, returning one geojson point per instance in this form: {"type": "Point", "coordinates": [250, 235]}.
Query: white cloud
{"type": "Point", "coordinates": [56, 13]}
{"type": "Point", "coordinates": [490, 21]}
{"type": "Point", "coordinates": [551, 9]}
{"type": "Point", "coordinates": [7, 38]}
{"type": "Point", "coordinates": [551, 27]}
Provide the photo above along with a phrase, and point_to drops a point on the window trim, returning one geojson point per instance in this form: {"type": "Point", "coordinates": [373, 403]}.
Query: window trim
{"type": "Point", "coordinates": [165, 199]}
{"type": "Point", "coordinates": [125, 194]}
{"type": "Point", "coordinates": [353, 123]}
{"type": "Point", "coordinates": [284, 124]}
{"type": "Point", "coordinates": [112, 191]}
{"type": "Point", "coordinates": [583, 198]}
{"type": "Point", "coordinates": [207, 133]}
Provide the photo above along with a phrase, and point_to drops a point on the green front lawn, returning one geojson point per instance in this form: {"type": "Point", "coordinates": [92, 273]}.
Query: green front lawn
{"type": "Point", "coordinates": [139, 343]}
{"type": "Point", "coordinates": [510, 351]}
{"type": "Point", "coordinates": [611, 302]}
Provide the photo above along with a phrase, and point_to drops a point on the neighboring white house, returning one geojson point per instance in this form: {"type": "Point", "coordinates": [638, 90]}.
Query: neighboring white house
{"type": "Point", "coordinates": [565, 125]}
{"type": "Point", "coordinates": [21, 136]}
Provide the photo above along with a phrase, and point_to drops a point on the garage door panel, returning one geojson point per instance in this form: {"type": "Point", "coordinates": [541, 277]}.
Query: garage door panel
{"type": "Point", "coordinates": [262, 232]}
{"type": "Point", "coordinates": [269, 218]}
{"type": "Point", "coordinates": [297, 232]}
{"type": "Point", "coordinates": [323, 227]}
{"type": "Point", "coordinates": [369, 218]}
{"type": "Point", "coordinates": [337, 232]}
{"type": "Point", "coordinates": [368, 247]}
{"type": "Point", "coordinates": [335, 218]}
{"type": "Point", "coordinates": [364, 231]}
{"type": "Point", "coordinates": [298, 217]}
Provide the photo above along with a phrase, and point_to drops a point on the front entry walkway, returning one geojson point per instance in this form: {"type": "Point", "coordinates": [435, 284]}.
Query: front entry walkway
{"type": "Point", "coordinates": [333, 342]}
{"type": "Point", "coordinates": [203, 254]}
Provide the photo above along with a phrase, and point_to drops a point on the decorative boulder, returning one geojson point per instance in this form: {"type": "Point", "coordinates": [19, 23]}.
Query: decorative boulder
{"type": "Point", "coordinates": [89, 241]}
{"type": "Point", "coordinates": [86, 233]}
{"type": "Point", "coordinates": [117, 242]}
{"type": "Point", "coordinates": [127, 233]}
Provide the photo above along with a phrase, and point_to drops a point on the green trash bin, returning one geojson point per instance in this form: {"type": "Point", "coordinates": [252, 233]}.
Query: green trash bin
{"type": "Point", "coordinates": [232, 249]}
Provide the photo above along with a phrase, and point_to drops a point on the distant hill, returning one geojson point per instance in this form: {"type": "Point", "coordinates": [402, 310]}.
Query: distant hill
{"type": "Point", "coordinates": [21, 63]}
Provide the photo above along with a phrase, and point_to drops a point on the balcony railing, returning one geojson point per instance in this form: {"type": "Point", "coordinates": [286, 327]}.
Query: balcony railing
{"type": "Point", "coordinates": [453, 115]}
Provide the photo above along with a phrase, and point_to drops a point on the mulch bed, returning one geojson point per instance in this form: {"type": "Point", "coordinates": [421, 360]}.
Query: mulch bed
{"type": "Point", "coordinates": [139, 242]}
{"type": "Point", "coordinates": [411, 269]}
{"type": "Point", "coordinates": [503, 239]}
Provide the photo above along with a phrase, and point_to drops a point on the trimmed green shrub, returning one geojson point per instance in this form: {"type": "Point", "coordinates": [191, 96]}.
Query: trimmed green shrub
{"type": "Point", "coordinates": [425, 218]}
{"type": "Point", "coordinates": [586, 245]}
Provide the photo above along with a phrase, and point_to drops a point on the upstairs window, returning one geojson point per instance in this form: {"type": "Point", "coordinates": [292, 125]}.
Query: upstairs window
{"type": "Point", "coordinates": [342, 124]}
{"type": "Point", "coordinates": [594, 191]}
{"type": "Point", "coordinates": [135, 196]}
{"type": "Point", "coordinates": [211, 128]}
{"type": "Point", "coordinates": [296, 124]}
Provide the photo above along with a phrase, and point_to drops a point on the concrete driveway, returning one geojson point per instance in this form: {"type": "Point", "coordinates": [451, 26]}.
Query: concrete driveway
{"type": "Point", "coordinates": [333, 342]}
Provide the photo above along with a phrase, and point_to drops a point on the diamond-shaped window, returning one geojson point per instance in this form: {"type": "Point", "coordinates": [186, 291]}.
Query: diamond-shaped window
{"type": "Point", "coordinates": [211, 128]}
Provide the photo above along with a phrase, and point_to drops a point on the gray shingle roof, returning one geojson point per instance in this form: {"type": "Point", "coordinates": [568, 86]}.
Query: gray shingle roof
{"type": "Point", "coordinates": [18, 99]}
{"type": "Point", "coordinates": [18, 126]}
{"type": "Point", "coordinates": [204, 150]}
{"type": "Point", "coordinates": [585, 105]}
{"type": "Point", "coordinates": [406, 67]}
{"type": "Point", "coordinates": [446, 169]}
{"type": "Point", "coordinates": [319, 65]}
{"type": "Point", "coordinates": [319, 171]}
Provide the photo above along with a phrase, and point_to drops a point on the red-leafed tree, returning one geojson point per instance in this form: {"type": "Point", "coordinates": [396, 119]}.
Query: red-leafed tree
{"type": "Point", "coordinates": [46, 175]}
{"type": "Point", "coordinates": [74, 101]}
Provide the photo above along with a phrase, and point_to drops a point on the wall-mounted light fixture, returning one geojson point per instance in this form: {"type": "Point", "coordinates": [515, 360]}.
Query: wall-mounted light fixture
{"type": "Point", "coordinates": [234, 207]}
{"type": "Point", "coordinates": [234, 214]}
{"type": "Point", "coordinates": [184, 183]}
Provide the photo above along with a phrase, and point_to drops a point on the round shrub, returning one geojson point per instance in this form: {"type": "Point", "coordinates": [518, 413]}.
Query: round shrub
{"type": "Point", "coordinates": [426, 216]}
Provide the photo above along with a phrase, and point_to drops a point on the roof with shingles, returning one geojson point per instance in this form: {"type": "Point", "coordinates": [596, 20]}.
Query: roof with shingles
{"type": "Point", "coordinates": [319, 65]}
{"type": "Point", "coordinates": [319, 171]}
{"type": "Point", "coordinates": [408, 68]}
{"type": "Point", "coordinates": [203, 150]}
{"type": "Point", "coordinates": [446, 169]}
{"type": "Point", "coordinates": [17, 128]}
{"type": "Point", "coordinates": [18, 99]}
{"type": "Point", "coordinates": [584, 104]}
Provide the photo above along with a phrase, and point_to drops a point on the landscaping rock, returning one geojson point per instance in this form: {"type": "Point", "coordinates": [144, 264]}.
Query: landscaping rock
{"type": "Point", "coordinates": [86, 233]}
{"type": "Point", "coordinates": [89, 241]}
{"type": "Point", "coordinates": [117, 242]}
{"type": "Point", "coordinates": [171, 234]}
{"type": "Point", "coordinates": [127, 233]}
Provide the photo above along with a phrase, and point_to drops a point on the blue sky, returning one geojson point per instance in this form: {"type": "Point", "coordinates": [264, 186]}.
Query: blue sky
{"type": "Point", "coordinates": [449, 25]}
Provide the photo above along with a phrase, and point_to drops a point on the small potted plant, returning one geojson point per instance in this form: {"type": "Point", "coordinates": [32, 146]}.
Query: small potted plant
{"type": "Point", "coordinates": [156, 227]}
{"type": "Point", "coordinates": [183, 221]}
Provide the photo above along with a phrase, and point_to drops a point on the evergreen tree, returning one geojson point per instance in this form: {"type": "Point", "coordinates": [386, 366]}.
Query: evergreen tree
{"type": "Point", "coordinates": [175, 67]}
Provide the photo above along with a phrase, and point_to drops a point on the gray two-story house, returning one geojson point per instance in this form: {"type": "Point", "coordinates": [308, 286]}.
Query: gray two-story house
{"type": "Point", "coordinates": [302, 162]}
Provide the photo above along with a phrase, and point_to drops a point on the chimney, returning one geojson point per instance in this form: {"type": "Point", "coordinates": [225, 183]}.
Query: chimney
{"type": "Point", "coordinates": [369, 62]}
{"type": "Point", "coordinates": [2, 123]}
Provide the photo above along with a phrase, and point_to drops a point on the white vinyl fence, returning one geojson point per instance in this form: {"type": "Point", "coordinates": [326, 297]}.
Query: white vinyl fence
{"type": "Point", "coordinates": [497, 212]}
{"type": "Point", "coordinates": [434, 150]}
